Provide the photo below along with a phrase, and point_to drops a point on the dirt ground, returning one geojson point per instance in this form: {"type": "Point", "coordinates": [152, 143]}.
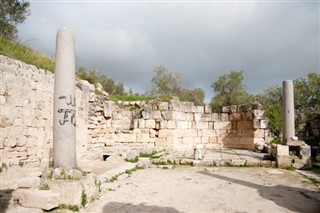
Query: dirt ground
{"type": "Point", "coordinates": [195, 189]}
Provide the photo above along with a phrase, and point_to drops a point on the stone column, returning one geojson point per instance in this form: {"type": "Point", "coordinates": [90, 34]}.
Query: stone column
{"type": "Point", "coordinates": [288, 112]}
{"type": "Point", "coordinates": [64, 114]}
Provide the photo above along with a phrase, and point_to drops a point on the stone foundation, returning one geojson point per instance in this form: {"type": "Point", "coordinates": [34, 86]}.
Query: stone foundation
{"type": "Point", "coordinates": [26, 101]}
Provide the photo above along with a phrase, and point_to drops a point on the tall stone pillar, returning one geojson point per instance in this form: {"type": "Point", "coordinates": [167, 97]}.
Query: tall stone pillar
{"type": "Point", "coordinates": [64, 114]}
{"type": "Point", "coordinates": [288, 112]}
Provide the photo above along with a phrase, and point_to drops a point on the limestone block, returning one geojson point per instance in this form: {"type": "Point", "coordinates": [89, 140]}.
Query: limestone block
{"type": "Point", "coordinates": [167, 115]}
{"type": "Point", "coordinates": [215, 117]}
{"type": "Point", "coordinates": [193, 109]}
{"type": "Point", "coordinates": [143, 138]}
{"type": "Point", "coordinates": [235, 117]}
{"type": "Point", "coordinates": [164, 133]}
{"type": "Point", "coordinates": [183, 124]}
{"type": "Point", "coordinates": [207, 109]}
{"type": "Point", "coordinates": [200, 109]}
{"type": "Point", "coordinates": [224, 117]}
{"type": "Point", "coordinates": [244, 125]}
{"type": "Point", "coordinates": [144, 163]}
{"type": "Point", "coordinates": [150, 124]}
{"type": "Point", "coordinates": [70, 191]}
{"type": "Point", "coordinates": [42, 199]}
{"type": "Point", "coordinates": [282, 150]}
{"type": "Point", "coordinates": [164, 124]}
{"type": "Point", "coordinates": [161, 142]}
{"type": "Point", "coordinates": [153, 133]}
{"type": "Point", "coordinates": [259, 144]}
{"type": "Point", "coordinates": [29, 182]}
{"type": "Point", "coordinates": [187, 140]}
{"type": "Point", "coordinates": [127, 137]}
{"type": "Point", "coordinates": [256, 124]}
{"type": "Point", "coordinates": [186, 133]}
{"type": "Point", "coordinates": [163, 106]}
{"type": "Point", "coordinates": [179, 116]}
{"type": "Point", "coordinates": [209, 133]}
{"type": "Point", "coordinates": [171, 125]}
{"type": "Point", "coordinates": [259, 133]}
{"type": "Point", "coordinates": [222, 125]}
{"type": "Point", "coordinates": [197, 116]}
{"type": "Point", "coordinates": [264, 124]}
{"type": "Point", "coordinates": [201, 125]}
{"type": "Point", "coordinates": [259, 114]}
{"type": "Point", "coordinates": [305, 151]}
{"type": "Point", "coordinates": [132, 155]}
{"type": "Point", "coordinates": [107, 109]}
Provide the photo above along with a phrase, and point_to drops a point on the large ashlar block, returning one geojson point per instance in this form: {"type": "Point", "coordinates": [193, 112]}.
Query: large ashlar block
{"type": "Point", "coordinates": [41, 199]}
{"type": "Point", "coordinates": [259, 133]}
{"type": "Point", "coordinates": [242, 125]}
{"type": "Point", "coordinates": [222, 125]}
{"type": "Point", "coordinates": [186, 133]}
{"type": "Point", "coordinates": [259, 114]}
{"type": "Point", "coordinates": [235, 117]}
{"type": "Point", "coordinates": [180, 116]}
{"type": "Point", "coordinates": [282, 150]}
{"type": "Point", "coordinates": [183, 124]}
{"type": "Point", "coordinates": [164, 133]}
{"type": "Point", "coordinates": [150, 124]}
{"type": "Point", "coordinates": [264, 124]}
{"type": "Point", "coordinates": [167, 115]}
{"type": "Point", "coordinates": [201, 125]}
{"type": "Point", "coordinates": [163, 106]}
{"type": "Point", "coordinates": [207, 109]}
{"type": "Point", "coordinates": [107, 109]}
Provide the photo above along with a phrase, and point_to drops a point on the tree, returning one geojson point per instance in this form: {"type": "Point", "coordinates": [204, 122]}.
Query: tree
{"type": "Point", "coordinates": [230, 90]}
{"type": "Point", "coordinates": [165, 83]}
{"type": "Point", "coordinates": [195, 95]}
{"type": "Point", "coordinates": [12, 13]}
{"type": "Point", "coordinates": [307, 96]}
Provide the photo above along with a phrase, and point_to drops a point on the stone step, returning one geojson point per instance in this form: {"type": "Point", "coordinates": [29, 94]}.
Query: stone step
{"type": "Point", "coordinates": [114, 172]}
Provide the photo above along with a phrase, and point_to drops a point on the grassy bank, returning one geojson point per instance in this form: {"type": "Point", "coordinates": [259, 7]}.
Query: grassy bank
{"type": "Point", "coordinates": [25, 54]}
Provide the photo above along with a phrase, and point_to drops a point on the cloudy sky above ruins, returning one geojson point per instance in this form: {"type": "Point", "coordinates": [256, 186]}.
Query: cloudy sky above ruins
{"type": "Point", "coordinates": [270, 41]}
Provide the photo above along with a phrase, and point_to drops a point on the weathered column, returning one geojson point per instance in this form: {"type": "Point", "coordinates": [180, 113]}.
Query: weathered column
{"type": "Point", "coordinates": [64, 114]}
{"type": "Point", "coordinates": [288, 112]}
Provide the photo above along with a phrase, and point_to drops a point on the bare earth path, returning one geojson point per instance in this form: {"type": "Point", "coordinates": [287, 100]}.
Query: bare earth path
{"type": "Point", "coordinates": [193, 189]}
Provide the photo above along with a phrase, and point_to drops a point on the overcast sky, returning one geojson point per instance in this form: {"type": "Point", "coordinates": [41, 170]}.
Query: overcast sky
{"type": "Point", "coordinates": [270, 41]}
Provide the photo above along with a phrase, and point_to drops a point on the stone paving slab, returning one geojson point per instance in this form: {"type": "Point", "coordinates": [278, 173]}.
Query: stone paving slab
{"type": "Point", "coordinates": [116, 171]}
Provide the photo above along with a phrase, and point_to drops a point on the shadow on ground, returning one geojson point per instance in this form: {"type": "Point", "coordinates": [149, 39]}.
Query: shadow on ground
{"type": "Point", "coordinates": [116, 207]}
{"type": "Point", "coordinates": [5, 197]}
{"type": "Point", "coordinates": [291, 198]}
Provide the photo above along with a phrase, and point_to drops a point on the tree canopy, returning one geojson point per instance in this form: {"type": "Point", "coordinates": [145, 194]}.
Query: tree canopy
{"type": "Point", "coordinates": [230, 90]}
{"type": "Point", "coordinates": [167, 83]}
{"type": "Point", "coordinates": [12, 13]}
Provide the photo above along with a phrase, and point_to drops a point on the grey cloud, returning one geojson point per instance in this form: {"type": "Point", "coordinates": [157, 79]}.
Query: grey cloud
{"type": "Point", "coordinates": [270, 42]}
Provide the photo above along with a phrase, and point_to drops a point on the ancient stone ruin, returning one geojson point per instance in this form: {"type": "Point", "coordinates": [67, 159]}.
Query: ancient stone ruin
{"type": "Point", "coordinates": [60, 125]}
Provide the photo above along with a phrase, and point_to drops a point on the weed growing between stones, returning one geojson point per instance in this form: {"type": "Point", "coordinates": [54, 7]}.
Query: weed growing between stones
{"type": "Point", "coordinates": [73, 208]}
{"type": "Point", "coordinates": [314, 181]}
{"type": "Point", "coordinates": [44, 186]}
{"type": "Point", "coordinates": [291, 168]}
{"type": "Point", "coordinates": [84, 199]}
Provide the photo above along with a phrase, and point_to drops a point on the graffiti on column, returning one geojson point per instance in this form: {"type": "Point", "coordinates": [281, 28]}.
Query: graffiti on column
{"type": "Point", "coordinates": [69, 115]}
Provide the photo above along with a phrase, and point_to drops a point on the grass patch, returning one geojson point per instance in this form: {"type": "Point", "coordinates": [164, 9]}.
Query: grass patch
{"type": "Point", "coordinates": [151, 155]}
{"type": "Point", "coordinates": [134, 160]}
{"type": "Point", "coordinates": [129, 98]}
{"type": "Point", "coordinates": [314, 181]}
{"type": "Point", "coordinates": [73, 208]}
{"type": "Point", "coordinates": [44, 187]}
{"type": "Point", "coordinates": [84, 199]}
{"type": "Point", "coordinates": [25, 54]}
{"type": "Point", "coordinates": [291, 168]}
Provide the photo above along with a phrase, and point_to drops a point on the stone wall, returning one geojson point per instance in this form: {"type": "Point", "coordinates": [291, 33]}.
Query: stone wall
{"type": "Point", "coordinates": [174, 126]}
{"type": "Point", "coordinates": [26, 101]}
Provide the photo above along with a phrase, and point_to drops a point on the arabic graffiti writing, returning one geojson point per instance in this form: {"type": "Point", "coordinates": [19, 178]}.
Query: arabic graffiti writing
{"type": "Point", "coordinates": [71, 101]}
{"type": "Point", "coordinates": [69, 115]}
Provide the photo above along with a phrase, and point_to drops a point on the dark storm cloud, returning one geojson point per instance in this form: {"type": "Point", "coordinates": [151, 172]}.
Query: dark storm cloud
{"type": "Point", "coordinates": [269, 41]}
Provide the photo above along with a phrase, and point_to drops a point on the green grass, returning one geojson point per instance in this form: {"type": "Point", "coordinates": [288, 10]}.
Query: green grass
{"type": "Point", "coordinates": [25, 54]}
{"type": "Point", "coordinates": [129, 98]}
{"type": "Point", "coordinates": [73, 208]}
